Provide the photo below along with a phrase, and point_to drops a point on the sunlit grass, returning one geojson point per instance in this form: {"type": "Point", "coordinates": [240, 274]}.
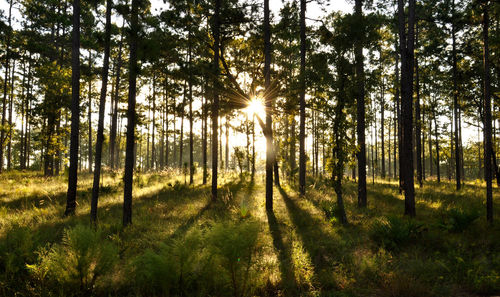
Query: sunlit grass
{"type": "Point", "coordinates": [301, 252]}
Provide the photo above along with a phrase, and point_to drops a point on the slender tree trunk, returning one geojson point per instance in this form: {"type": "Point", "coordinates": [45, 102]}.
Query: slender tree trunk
{"type": "Point", "coordinates": [431, 169]}
{"type": "Point", "coordinates": [360, 108]}
{"type": "Point", "coordinates": [418, 124]}
{"type": "Point", "coordinates": [114, 119]}
{"type": "Point", "coordinates": [75, 111]}
{"type": "Point", "coordinates": [5, 82]}
{"type": "Point", "coordinates": [438, 171]}
{"type": "Point", "coordinates": [11, 105]}
{"type": "Point", "coordinates": [153, 146]}
{"type": "Point", "coordinates": [269, 106]}
{"type": "Point", "coordinates": [191, 140]}
{"type": "Point", "coordinates": [102, 107]}
{"type": "Point", "coordinates": [90, 113]}
{"type": "Point", "coordinates": [487, 116]}
{"type": "Point", "coordinates": [226, 151]}
{"type": "Point", "coordinates": [455, 99]}
{"type": "Point", "coordinates": [406, 49]}
{"type": "Point", "coordinates": [302, 100]}
{"type": "Point", "coordinates": [215, 103]}
{"type": "Point", "coordinates": [253, 146]}
{"type": "Point", "coordinates": [205, 139]}
{"type": "Point", "coordinates": [131, 116]}
{"type": "Point", "coordinates": [382, 128]}
{"type": "Point", "coordinates": [181, 136]}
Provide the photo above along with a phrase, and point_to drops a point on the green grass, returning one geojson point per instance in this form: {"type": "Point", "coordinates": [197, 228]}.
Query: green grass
{"type": "Point", "coordinates": [182, 244]}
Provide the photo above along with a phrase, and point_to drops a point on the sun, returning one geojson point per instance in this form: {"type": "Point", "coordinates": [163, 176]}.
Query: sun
{"type": "Point", "coordinates": [256, 107]}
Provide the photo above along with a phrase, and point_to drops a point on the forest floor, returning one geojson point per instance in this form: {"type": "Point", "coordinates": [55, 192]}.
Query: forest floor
{"type": "Point", "coordinates": [182, 244]}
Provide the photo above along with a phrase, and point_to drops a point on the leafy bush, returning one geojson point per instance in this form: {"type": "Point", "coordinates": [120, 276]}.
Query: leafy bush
{"type": "Point", "coordinates": [235, 245]}
{"type": "Point", "coordinates": [16, 249]}
{"type": "Point", "coordinates": [393, 233]}
{"type": "Point", "coordinates": [330, 209]}
{"type": "Point", "coordinates": [456, 220]}
{"type": "Point", "coordinates": [174, 269]}
{"type": "Point", "coordinates": [78, 262]}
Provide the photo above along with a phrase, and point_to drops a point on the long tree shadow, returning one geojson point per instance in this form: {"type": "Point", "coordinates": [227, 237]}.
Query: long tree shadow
{"type": "Point", "coordinates": [325, 250]}
{"type": "Point", "coordinates": [284, 255]}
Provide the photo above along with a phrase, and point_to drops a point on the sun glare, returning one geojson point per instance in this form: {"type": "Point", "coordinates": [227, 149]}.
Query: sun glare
{"type": "Point", "coordinates": [256, 107]}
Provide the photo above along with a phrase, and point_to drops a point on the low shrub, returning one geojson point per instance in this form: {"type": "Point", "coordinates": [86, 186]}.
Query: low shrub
{"type": "Point", "coordinates": [77, 263]}
{"type": "Point", "coordinates": [393, 233]}
{"type": "Point", "coordinates": [235, 246]}
{"type": "Point", "coordinates": [457, 220]}
{"type": "Point", "coordinates": [16, 249]}
{"type": "Point", "coordinates": [173, 270]}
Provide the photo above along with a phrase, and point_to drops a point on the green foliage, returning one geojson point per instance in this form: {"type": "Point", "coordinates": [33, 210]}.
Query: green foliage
{"type": "Point", "coordinates": [235, 246]}
{"type": "Point", "coordinates": [82, 259]}
{"type": "Point", "coordinates": [393, 233]}
{"type": "Point", "coordinates": [175, 269]}
{"type": "Point", "coordinates": [457, 220]}
{"type": "Point", "coordinates": [330, 210]}
{"type": "Point", "coordinates": [16, 249]}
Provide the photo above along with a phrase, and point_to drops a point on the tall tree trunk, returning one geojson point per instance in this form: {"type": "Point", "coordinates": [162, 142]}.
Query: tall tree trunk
{"type": "Point", "coordinates": [75, 111]}
{"type": "Point", "coordinates": [293, 163]}
{"type": "Point", "coordinates": [487, 116]}
{"type": "Point", "coordinates": [131, 116]}
{"type": "Point", "coordinates": [11, 105]}
{"type": "Point", "coordinates": [102, 107]}
{"type": "Point", "coordinates": [340, 150]}
{"type": "Point", "coordinates": [226, 151]}
{"type": "Point", "coordinates": [114, 119]}
{"type": "Point", "coordinates": [205, 138]}
{"type": "Point", "coordinates": [191, 141]}
{"type": "Point", "coordinates": [431, 169]}
{"type": "Point", "coordinates": [382, 128]}
{"type": "Point", "coordinates": [181, 136]}
{"type": "Point", "coordinates": [418, 124]}
{"type": "Point", "coordinates": [90, 113]}
{"type": "Point", "coordinates": [5, 82]}
{"type": "Point", "coordinates": [407, 52]}
{"type": "Point", "coordinates": [167, 146]}
{"type": "Point", "coordinates": [360, 107]}
{"type": "Point", "coordinates": [455, 98]}
{"type": "Point", "coordinates": [398, 112]}
{"type": "Point", "coordinates": [438, 171]}
{"type": "Point", "coordinates": [215, 103]}
{"type": "Point", "coordinates": [269, 106]}
{"type": "Point", "coordinates": [302, 100]}
{"type": "Point", "coordinates": [153, 147]}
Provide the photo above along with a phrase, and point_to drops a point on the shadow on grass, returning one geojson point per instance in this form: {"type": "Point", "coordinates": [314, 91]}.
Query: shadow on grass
{"type": "Point", "coordinates": [325, 251]}
{"type": "Point", "coordinates": [284, 255]}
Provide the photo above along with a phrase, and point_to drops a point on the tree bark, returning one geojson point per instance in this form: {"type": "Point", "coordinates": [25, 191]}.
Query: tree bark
{"type": "Point", "coordinates": [75, 111]}
{"type": "Point", "coordinates": [5, 82]}
{"type": "Point", "coordinates": [114, 119]}
{"type": "Point", "coordinates": [360, 108]}
{"type": "Point", "coordinates": [269, 106]}
{"type": "Point", "coordinates": [455, 99]}
{"type": "Point", "coordinates": [418, 123]}
{"type": "Point", "coordinates": [487, 116]}
{"type": "Point", "coordinates": [215, 103]}
{"type": "Point", "coordinates": [102, 107]}
{"type": "Point", "coordinates": [131, 116]}
{"type": "Point", "coordinates": [302, 100]}
{"type": "Point", "coordinates": [407, 52]}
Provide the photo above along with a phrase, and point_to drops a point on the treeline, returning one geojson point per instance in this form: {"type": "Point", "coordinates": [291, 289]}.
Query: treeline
{"type": "Point", "coordinates": [406, 91]}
